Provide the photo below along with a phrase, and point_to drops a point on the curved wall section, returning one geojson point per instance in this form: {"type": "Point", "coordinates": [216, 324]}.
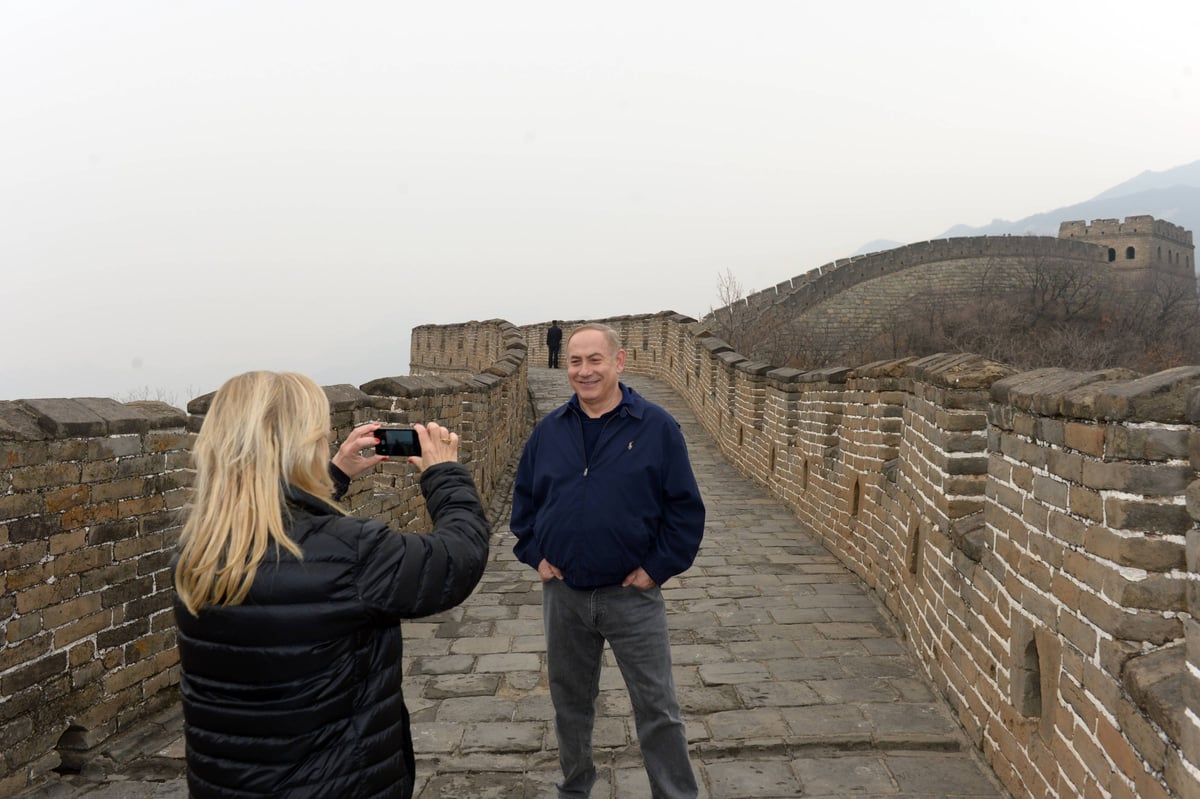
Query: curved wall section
{"type": "Point", "coordinates": [1034, 534]}
{"type": "Point", "coordinates": [855, 299]}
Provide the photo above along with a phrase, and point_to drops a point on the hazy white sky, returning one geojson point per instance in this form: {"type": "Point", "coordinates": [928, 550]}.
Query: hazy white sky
{"type": "Point", "coordinates": [192, 189]}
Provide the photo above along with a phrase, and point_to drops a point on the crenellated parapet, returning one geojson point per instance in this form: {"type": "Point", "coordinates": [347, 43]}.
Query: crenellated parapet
{"type": "Point", "coordinates": [964, 256]}
{"type": "Point", "coordinates": [857, 299]}
{"type": "Point", "coordinates": [1034, 534]}
{"type": "Point", "coordinates": [1132, 226]}
{"type": "Point", "coordinates": [1139, 244]}
{"type": "Point", "coordinates": [92, 499]}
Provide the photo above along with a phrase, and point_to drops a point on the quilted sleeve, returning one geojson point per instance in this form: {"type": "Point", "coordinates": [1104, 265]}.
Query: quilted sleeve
{"type": "Point", "coordinates": [406, 575]}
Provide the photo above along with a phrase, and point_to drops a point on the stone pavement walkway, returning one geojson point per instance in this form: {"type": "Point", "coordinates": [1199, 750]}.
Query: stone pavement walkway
{"type": "Point", "coordinates": [793, 682]}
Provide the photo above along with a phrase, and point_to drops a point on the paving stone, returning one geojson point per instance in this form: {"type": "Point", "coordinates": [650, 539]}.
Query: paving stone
{"type": "Point", "coordinates": [885, 647]}
{"type": "Point", "coordinates": [610, 732]}
{"type": "Point", "coordinates": [777, 694]}
{"type": "Point", "coordinates": [416, 630]}
{"type": "Point", "coordinates": [863, 615]}
{"type": "Point", "coordinates": [491, 645]}
{"type": "Point", "coordinates": [911, 726]}
{"type": "Point", "coordinates": [700, 653]}
{"type": "Point", "coordinates": [768, 649]}
{"type": "Point", "coordinates": [614, 703]}
{"type": "Point", "coordinates": [702, 700]}
{"type": "Point", "coordinates": [458, 630]}
{"type": "Point", "coordinates": [849, 630]}
{"type": "Point", "coordinates": [876, 667]}
{"type": "Point", "coordinates": [959, 776]}
{"type": "Point", "coordinates": [419, 706]}
{"type": "Point", "coordinates": [827, 724]}
{"type": "Point", "coordinates": [520, 661]}
{"type": "Point", "coordinates": [741, 724]}
{"type": "Point", "coordinates": [476, 709]}
{"type": "Point", "coordinates": [445, 686]}
{"type": "Point", "coordinates": [522, 682]}
{"type": "Point", "coordinates": [912, 689]}
{"type": "Point", "coordinates": [534, 707]}
{"type": "Point", "coordinates": [739, 617]}
{"type": "Point", "coordinates": [477, 786]}
{"type": "Point", "coordinates": [799, 634]}
{"type": "Point", "coordinates": [753, 779]}
{"type": "Point", "coordinates": [437, 737]}
{"type": "Point", "coordinates": [798, 669]}
{"type": "Point", "coordinates": [724, 635]}
{"type": "Point", "coordinates": [450, 664]}
{"type": "Point", "coordinates": [854, 690]}
{"type": "Point", "coordinates": [521, 627]}
{"type": "Point", "coordinates": [800, 615]}
{"type": "Point", "coordinates": [632, 783]}
{"type": "Point", "coordinates": [733, 673]}
{"type": "Point", "coordinates": [525, 736]}
{"type": "Point", "coordinates": [833, 600]}
{"type": "Point", "coordinates": [692, 620]}
{"type": "Point", "coordinates": [529, 643]}
{"type": "Point", "coordinates": [489, 612]}
{"type": "Point", "coordinates": [848, 775]}
{"type": "Point", "coordinates": [425, 647]}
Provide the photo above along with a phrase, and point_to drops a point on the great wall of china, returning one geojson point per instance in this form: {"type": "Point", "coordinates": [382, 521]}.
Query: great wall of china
{"type": "Point", "coordinates": [1035, 534]}
{"type": "Point", "coordinates": [852, 301]}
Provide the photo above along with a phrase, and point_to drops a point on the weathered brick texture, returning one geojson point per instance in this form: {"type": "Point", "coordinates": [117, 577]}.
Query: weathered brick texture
{"type": "Point", "coordinates": [1034, 534]}
{"type": "Point", "coordinates": [91, 500]}
{"type": "Point", "coordinates": [851, 302]}
{"type": "Point", "coordinates": [82, 477]}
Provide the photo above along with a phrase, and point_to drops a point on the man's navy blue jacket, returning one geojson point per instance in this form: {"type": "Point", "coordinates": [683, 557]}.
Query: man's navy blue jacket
{"type": "Point", "coordinates": [633, 503]}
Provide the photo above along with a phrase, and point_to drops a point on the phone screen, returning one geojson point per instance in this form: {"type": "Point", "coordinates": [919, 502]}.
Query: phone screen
{"type": "Point", "coordinates": [397, 442]}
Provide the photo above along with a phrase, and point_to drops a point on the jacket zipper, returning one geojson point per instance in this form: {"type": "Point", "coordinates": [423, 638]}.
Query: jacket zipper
{"type": "Point", "coordinates": [583, 441]}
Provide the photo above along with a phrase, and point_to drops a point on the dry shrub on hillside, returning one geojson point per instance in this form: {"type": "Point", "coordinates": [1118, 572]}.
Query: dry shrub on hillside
{"type": "Point", "coordinates": [1042, 314]}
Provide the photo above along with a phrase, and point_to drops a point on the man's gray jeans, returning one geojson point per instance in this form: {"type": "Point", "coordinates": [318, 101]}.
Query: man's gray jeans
{"type": "Point", "coordinates": [634, 622]}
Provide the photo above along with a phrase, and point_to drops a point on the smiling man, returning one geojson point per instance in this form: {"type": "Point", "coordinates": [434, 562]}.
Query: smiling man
{"type": "Point", "coordinates": [606, 509]}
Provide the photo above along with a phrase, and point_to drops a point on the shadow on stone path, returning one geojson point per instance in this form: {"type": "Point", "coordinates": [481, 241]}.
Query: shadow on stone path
{"type": "Point", "coordinates": [793, 682]}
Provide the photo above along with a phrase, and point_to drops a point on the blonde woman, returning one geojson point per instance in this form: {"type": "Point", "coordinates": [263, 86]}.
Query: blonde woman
{"type": "Point", "coordinates": [289, 610]}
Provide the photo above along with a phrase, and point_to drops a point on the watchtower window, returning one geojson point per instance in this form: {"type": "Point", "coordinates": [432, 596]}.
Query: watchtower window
{"type": "Point", "coordinates": [1128, 253]}
{"type": "Point", "coordinates": [1112, 254]}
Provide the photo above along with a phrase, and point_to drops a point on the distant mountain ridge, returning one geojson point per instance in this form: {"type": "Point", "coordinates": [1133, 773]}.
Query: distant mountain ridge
{"type": "Point", "coordinates": [1173, 195]}
{"type": "Point", "coordinates": [1186, 175]}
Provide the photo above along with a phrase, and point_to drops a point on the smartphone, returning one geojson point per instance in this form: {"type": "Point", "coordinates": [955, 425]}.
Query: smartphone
{"type": "Point", "coordinates": [397, 442]}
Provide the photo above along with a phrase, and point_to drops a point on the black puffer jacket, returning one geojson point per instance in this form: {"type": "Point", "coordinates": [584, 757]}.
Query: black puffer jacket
{"type": "Point", "coordinates": [296, 691]}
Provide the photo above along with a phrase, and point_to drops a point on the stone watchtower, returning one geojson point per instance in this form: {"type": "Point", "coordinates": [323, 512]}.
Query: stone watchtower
{"type": "Point", "coordinates": [1141, 246]}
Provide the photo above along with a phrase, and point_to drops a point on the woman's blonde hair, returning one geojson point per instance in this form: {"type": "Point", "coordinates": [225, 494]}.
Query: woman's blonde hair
{"type": "Point", "coordinates": [263, 430]}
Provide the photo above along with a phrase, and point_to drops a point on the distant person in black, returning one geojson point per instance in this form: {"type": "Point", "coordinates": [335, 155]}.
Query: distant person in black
{"type": "Point", "coordinates": [554, 342]}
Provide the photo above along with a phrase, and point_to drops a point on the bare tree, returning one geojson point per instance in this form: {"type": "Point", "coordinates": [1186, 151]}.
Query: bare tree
{"type": "Point", "coordinates": [1042, 312]}
{"type": "Point", "coordinates": [732, 317]}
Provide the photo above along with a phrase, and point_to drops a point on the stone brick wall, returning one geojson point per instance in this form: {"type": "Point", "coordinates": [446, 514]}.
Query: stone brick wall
{"type": "Point", "coordinates": [90, 491]}
{"type": "Point", "coordinates": [858, 299]}
{"type": "Point", "coordinates": [1034, 534]}
{"type": "Point", "coordinates": [824, 283]}
{"type": "Point", "coordinates": [1138, 243]}
{"type": "Point", "coordinates": [91, 500]}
